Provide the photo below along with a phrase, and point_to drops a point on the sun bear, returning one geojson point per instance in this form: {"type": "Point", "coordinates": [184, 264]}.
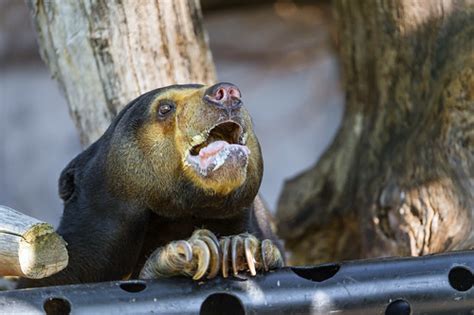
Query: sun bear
{"type": "Point", "coordinates": [169, 189]}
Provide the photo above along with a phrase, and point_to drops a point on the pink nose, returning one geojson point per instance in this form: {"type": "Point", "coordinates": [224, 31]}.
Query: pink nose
{"type": "Point", "coordinates": [224, 95]}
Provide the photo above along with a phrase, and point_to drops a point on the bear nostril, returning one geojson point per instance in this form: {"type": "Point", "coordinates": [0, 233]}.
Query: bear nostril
{"type": "Point", "coordinates": [224, 96]}
{"type": "Point", "coordinates": [234, 93]}
{"type": "Point", "coordinates": [220, 94]}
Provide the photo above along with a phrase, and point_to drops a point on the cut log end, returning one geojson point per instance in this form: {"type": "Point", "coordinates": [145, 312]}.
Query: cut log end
{"type": "Point", "coordinates": [28, 247]}
{"type": "Point", "coordinates": [42, 252]}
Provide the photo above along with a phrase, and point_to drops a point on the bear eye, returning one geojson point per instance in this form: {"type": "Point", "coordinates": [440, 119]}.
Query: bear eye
{"type": "Point", "coordinates": [165, 108]}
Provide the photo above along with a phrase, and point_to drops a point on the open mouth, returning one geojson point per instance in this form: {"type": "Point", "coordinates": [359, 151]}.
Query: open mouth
{"type": "Point", "coordinates": [224, 142]}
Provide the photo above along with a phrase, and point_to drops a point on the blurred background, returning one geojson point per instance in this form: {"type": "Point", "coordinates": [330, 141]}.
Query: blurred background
{"type": "Point", "coordinates": [280, 53]}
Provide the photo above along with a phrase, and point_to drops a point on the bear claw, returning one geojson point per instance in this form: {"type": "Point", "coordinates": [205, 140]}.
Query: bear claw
{"type": "Point", "coordinates": [204, 255]}
{"type": "Point", "coordinates": [196, 257]}
{"type": "Point", "coordinates": [246, 252]}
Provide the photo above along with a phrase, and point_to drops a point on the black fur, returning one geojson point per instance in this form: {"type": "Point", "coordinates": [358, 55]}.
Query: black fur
{"type": "Point", "coordinates": [109, 238]}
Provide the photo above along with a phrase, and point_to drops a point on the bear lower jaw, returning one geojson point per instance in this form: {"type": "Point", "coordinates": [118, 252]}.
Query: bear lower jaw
{"type": "Point", "coordinates": [219, 157]}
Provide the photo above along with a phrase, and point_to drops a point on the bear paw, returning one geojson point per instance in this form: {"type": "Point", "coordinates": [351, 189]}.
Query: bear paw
{"type": "Point", "coordinates": [204, 255]}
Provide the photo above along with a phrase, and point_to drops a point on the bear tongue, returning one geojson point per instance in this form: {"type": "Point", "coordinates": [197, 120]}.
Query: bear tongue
{"type": "Point", "coordinates": [212, 149]}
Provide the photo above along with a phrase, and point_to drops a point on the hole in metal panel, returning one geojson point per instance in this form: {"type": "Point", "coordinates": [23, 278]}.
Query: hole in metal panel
{"type": "Point", "coordinates": [222, 303]}
{"type": "Point", "coordinates": [460, 278]}
{"type": "Point", "coordinates": [398, 307]}
{"type": "Point", "coordinates": [57, 306]}
{"type": "Point", "coordinates": [317, 273]}
{"type": "Point", "coordinates": [133, 287]}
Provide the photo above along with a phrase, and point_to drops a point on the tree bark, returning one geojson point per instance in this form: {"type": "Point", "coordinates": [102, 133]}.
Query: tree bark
{"type": "Point", "coordinates": [29, 248]}
{"type": "Point", "coordinates": [399, 177]}
{"type": "Point", "coordinates": [106, 53]}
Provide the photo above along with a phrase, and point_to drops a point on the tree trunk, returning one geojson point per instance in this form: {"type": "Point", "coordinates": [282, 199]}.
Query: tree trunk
{"type": "Point", "coordinates": [399, 177]}
{"type": "Point", "coordinates": [106, 53]}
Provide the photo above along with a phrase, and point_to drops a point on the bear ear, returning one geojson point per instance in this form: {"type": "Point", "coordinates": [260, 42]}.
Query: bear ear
{"type": "Point", "coordinates": [67, 181]}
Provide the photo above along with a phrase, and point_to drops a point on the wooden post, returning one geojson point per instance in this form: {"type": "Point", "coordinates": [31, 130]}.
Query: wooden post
{"type": "Point", "coordinates": [29, 248]}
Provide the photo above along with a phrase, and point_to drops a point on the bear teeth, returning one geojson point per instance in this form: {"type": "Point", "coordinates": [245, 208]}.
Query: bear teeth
{"type": "Point", "coordinates": [229, 131]}
{"type": "Point", "coordinates": [214, 155]}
